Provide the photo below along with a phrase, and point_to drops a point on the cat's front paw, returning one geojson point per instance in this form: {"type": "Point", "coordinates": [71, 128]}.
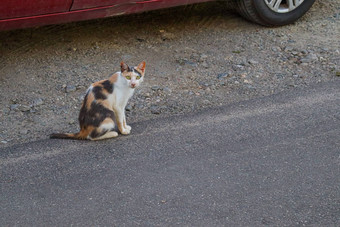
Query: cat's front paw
{"type": "Point", "coordinates": [125, 132]}
{"type": "Point", "coordinates": [128, 127]}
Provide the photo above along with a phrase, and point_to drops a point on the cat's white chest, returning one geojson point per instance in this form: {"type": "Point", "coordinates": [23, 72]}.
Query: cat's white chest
{"type": "Point", "coordinates": [120, 97]}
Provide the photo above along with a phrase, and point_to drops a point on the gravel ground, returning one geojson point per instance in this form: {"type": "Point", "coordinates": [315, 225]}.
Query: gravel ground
{"type": "Point", "coordinates": [203, 57]}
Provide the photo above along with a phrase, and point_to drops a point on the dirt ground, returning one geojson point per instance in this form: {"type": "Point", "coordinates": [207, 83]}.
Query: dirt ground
{"type": "Point", "coordinates": [198, 56]}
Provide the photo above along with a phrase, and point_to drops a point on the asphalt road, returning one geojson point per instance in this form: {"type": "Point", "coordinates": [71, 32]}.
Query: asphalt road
{"type": "Point", "coordinates": [269, 161]}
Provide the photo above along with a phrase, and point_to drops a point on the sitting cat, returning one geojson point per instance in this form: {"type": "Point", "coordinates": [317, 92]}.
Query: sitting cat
{"type": "Point", "coordinates": [105, 100]}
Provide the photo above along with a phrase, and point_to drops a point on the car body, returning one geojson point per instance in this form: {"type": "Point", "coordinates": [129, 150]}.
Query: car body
{"type": "Point", "coordinates": [17, 14]}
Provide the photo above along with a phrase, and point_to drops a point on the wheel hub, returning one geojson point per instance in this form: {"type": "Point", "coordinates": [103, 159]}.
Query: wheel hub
{"type": "Point", "coordinates": [283, 6]}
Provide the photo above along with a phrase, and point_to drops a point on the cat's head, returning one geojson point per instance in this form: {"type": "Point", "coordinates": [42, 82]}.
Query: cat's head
{"type": "Point", "coordinates": [133, 75]}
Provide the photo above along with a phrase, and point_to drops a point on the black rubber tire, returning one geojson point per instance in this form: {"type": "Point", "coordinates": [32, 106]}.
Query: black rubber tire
{"type": "Point", "coordinates": [257, 11]}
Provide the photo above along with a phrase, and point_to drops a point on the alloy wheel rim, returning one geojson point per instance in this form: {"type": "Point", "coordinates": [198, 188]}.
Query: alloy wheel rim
{"type": "Point", "coordinates": [283, 6]}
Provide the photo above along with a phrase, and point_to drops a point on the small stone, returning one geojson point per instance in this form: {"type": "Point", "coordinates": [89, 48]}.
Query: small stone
{"type": "Point", "coordinates": [337, 73]}
{"type": "Point", "coordinates": [24, 108]}
{"type": "Point", "coordinates": [253, 62]}
{"type": "Point", "coordinates": [237, 67]}
{"type": "Point", "coordinates": [71, 122]}
{"type": "Point", "coordinates": [23, 131]}
{"type": "Point", "coordinates": [289, 48]}
{"type": "Point", "coordinates": [194, 64]}
{"type": "Point", "coordinates": [128, 107]}
{"type": "Point", "coordinates": [155, 109]}
{"type": "Point", "coordinates": [203, 57]}
{"type": "Point", "coordinates": [14, 107]}
{"type": "Point", "coordinates": [280, 75]}
{"type": "Point", "coordinates": [37, 102]}
{"type": "Point", "coordinates": [140, 106]}
{"type": "Point", "coordinates": [166, 89]}
{"type": "Point", "coordinates": [205, 65]}
{"type": "Point", "coordinates": [276, 49]}
{"type": "Point", "coordinates": [156, 88]}
{"type": "Point", "coordinates": [309, 58]}
{"type": "Point", "coordinates": [222, 75]}
{"type": "Point", "coordinates": [70, 88]}
{"type": "Point", "coordinates": [15, 101]}
{"type": "Point", "coordinates": [4, 142]}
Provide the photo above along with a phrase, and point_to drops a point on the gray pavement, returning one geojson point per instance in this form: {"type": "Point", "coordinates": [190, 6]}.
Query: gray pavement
{"type": "Point", "coordinates": [270, 161]}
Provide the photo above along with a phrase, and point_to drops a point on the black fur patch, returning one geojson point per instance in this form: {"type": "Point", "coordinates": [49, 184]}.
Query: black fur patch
{"type": "Point", "coordinates": [135, 71]}
{"type": "Point", "coordinates": [98, 92]}
{"type": "Point", "coordinates": [83, 110]}
{"type": "Point", "coordinates": [95, 115]}
{"type": "Point", "coordinates": [108, 86]}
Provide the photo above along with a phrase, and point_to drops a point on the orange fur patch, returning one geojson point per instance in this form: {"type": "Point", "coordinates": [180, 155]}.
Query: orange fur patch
{"type": "Point", "coordinates": [114, 78]}
{"type": "Point", "coordinates": [90, 99]}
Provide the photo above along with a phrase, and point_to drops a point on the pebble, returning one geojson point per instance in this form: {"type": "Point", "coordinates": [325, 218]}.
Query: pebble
{"type": "Point", "coordinates": [253, 62]}
{"type": "Point", "coordinates": [289, 48]}
{"type": "Point", "coordinates": [276, 49]}
{"type": "Point", "coordinates": [187, 62]}
{"type": "Point", "coordinates": [24, 131]}
{"type": "Point", "coordinates": [237, 67]}
{"type": "Point", "coordinates": [128, 107]}
{"type": "Point", "coordinates": [203, 57]}
{"type": "Point", "coordinates": [38, 102]}
{"type": "Point", "coordinates": [155, 109]}
{"type": "Point", "coordinates": [70, 88]}
{"type": "Point", "coordinates": [309, 58]}
{"type": "Point", "coordinates": [167, 89]}
{"type": "Point", "coordinates": [24, 108]}
{"type": "Point", "coordinates": [3, 141]}
{"type": "Point", "coordinates": [222, 75]}
{"type": "Point", "coordinates": [205, 65]}
{"type": "Point", "coordinates": [156, 88]}
{"type": "Point", "coordinates": [14, 107]}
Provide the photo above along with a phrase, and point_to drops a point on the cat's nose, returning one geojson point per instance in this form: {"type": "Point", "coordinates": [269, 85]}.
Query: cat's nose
{"type": "Point", "coordinates": [133, 85]}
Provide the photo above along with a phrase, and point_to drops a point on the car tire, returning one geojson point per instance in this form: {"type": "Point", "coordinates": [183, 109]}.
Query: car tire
{"type": "Point", "coordinates": [260, 12]}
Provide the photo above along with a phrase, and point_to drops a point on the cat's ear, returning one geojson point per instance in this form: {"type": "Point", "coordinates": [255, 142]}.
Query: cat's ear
{"type": "Point", "coordinates": [124, 67]}
{"type": "Point", "coordinates": [141, 66]}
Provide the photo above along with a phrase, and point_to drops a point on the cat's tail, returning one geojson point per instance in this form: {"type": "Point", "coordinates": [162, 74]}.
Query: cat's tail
{"type": "Point", "coordinates": [72, 136]}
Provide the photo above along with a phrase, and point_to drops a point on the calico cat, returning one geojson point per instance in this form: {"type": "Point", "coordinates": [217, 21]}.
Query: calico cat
{"type": "Point", "coordinates": [104, 101]}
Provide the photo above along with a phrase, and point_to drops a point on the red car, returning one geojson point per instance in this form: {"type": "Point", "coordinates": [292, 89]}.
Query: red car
{"type": "Point", "coordinates": [15, 14]}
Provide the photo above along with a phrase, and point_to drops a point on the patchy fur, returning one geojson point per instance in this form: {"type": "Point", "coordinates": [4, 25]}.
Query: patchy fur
{"type": "Point", "coordinates": [104, 103]}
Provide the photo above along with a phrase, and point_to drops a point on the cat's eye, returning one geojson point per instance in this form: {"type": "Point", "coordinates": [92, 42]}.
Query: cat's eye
{"type": "Point", "coordinates": [137, 77]}
{"type": "Point", "coordinates": [128, 77]}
